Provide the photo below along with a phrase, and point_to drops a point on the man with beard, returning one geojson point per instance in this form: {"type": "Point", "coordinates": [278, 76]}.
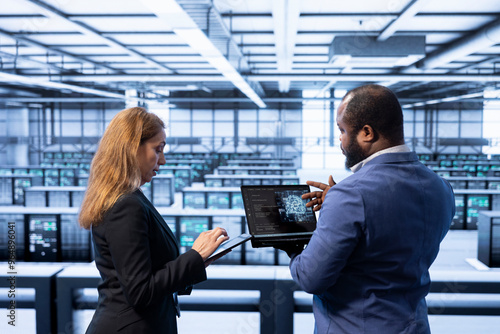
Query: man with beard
{"type": "Point", "coordinates": [379, 229]}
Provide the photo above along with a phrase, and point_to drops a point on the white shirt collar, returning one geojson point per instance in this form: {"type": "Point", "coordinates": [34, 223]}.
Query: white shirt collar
{"type": "Point", "coordinates": [393, 149]}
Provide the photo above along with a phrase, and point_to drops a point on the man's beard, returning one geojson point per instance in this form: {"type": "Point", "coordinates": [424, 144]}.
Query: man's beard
{"type": "Point", "coordinates": [353, 153]}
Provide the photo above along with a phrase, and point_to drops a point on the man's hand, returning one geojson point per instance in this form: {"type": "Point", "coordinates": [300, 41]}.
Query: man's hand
{"type": "Point", "coordinates": [291, 249]}
{"type": "Point", "coordinates": [318, 197]}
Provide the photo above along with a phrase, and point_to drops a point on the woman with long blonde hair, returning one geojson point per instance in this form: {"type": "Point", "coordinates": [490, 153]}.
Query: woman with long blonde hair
{"type": "Point", "coordinates": [136, 253]}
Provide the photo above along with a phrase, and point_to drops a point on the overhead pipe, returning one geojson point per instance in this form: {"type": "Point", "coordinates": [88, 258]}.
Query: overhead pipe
{"type": "Point", "coordinates": [414, 77]}
{"type": "Point", "coordinates": [470, 97]}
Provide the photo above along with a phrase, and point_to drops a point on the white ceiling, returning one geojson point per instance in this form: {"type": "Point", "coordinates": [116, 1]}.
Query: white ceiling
{"type": "Point", "coordinates": [277, 46]}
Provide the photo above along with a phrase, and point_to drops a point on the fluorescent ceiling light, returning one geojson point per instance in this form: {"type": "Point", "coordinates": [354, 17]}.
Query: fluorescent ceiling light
{"type": "Point", "coordinates": [184, 26]}
{"type": "Point", "coordinates": [340, 60]}
{"type": "Point", "coordinates": [445, 99]}
{"type": "Point", "coordinates": [164, 7]}
{"type": "Point", "coordinates": [7, 77]}
{"type": "Point", "coordinates": [408, 60]}
{"type": "Point", "coordinates": [286, 15]}
{"type": "Point", "coordinates": [198, 41]}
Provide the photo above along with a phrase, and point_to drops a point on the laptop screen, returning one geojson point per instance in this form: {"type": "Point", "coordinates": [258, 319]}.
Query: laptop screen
{"type": "Point", "coordinates": [278, 211]}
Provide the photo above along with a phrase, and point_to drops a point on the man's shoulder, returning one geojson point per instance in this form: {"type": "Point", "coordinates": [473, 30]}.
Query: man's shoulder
{"type": "Point", "coordinates": [395, 157]}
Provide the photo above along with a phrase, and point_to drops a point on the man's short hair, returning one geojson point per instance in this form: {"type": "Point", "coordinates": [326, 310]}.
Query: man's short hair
{"type": "Point", "coordinates": [378, 107]}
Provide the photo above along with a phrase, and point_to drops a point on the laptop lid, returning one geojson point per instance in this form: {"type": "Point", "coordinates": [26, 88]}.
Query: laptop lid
{"type": "Point", "coordinates": [277, 214]}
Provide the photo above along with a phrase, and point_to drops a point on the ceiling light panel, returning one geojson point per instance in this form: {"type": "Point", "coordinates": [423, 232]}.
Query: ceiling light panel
{"type": "Point", "coordinates": [445, 22]}
{"type": "Point", "coordinates": [165, 50]}
{"type": "Point", "coordinates": [98, 6]}
{"type": "Point", "coordinates": [258, 58]}
{"type": "Point", "coordinates": [253, 38]}
{"type": "Point", "coordinates": [255, 50]}
{"type": "Point", "coordinates": [492, 50]}
{"type": "Point", "coordinates": [192, 70]}
{"type": "Point", "coordinates": [367, 71]}
{"type": "Point", "coordinates": [305, 49]}
{"type": "Point", "coordinates": [311, 59]}
{"type": "Point", "coordinates": [133, 65]}
{"type": "Point", "coordinates": [13, 78]}
{"type": "Point", "coordinates": [187, 65]}
{"type": "Point", "coordinates": [22, 50]}
{"type": "Point", "coordinates": [191, 58]}
{"type": "Point", "coordinates": [244, 6]}
{"type": "Point", "coordinates": [137, 24]}
{"type": "Point", "coordinates": [65, 39]}
{"type": "Point", "coordinates": [251, 23]}
{"type": "Point", "coordinates": [93, 50]}
{"type": "Point", "coordinates": [461, 6]}
{"type": "Point", "coordinates": [35, 25]}
{"type": "Point", "coordinates": [306, 39]}
{"type": "Point", "coordinates": [17, 7]}
{"type": "Point", "coordinates": [184, 26]}
{"type": "Point", "coordinates": [384, 6]}
{"type": "Point", "coordinates": [344, 23]}
{"type": "Point", "coordinates": [441, 37]}
{"type": "Point", "coordinates": [138, 38]}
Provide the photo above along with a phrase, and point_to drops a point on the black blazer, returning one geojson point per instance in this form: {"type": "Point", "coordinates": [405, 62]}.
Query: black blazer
{"type": "Point", "coordinates": [138, 259]}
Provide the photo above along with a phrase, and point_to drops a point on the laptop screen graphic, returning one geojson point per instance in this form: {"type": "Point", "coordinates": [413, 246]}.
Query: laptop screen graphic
{"type": "Point", "coordinates": [278, 210]}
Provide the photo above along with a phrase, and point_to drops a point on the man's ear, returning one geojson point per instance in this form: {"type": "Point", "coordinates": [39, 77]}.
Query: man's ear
{"type": "Point", "coordinates": [368, 134]}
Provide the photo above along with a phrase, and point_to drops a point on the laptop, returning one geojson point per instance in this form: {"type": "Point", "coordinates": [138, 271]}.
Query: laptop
{"type": "Point", "coordinates": [277, 214]}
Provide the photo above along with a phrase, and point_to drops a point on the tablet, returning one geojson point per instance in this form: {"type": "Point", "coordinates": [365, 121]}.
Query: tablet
{"type": "Point", "coordinates": [230, 244]}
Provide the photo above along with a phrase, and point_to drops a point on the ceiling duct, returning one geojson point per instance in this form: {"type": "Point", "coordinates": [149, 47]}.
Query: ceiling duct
{"type": "Point", "coordinates": [405, 49]}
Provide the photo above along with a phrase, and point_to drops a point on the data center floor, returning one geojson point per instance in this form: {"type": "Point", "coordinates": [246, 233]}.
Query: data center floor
{"type": "Point", "coordinates": [458, 254]}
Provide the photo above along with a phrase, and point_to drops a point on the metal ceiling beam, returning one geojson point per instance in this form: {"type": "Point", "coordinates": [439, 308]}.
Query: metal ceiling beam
{"type": "Point", "coordinates": [479, 64]}
{"type": "Point", "coordinates": [59, 99]}
{"type": "Point", "coordinates": [28, 81]}
{"type": "Point", "coordinates": [483, 38]}
{"type": "Point", "coordinates": [29, 42]}
{"type": "Point", "coordinates": [35, 63]}
{"type": "Point", "coordinates": [374, 33]}
{"type": "Point", "coordinates": [357, 15]}
{"type": "Point", "coordinates": [286, 15]}
{"type": "Point", "coordinates": [212, 46]}
{"type": "Point", "coordinates": [146, 77]}
{"type": "Point", "coordinates": [377, 77]}
{"type": "Point", "coordinates": [444, 100]}
{"type": "Point", "coordinates": [195, 100]}
{"type": "Point", "coordinates": [169, 99]}
{"type": "Point", "coordinates": [231, 45]}
{"type": "Point", "coordinates": [411, 10]}
{"type": "Point", "coordinates": [447, 89]}
{"type": "Point", "coordinates": [86, 30]}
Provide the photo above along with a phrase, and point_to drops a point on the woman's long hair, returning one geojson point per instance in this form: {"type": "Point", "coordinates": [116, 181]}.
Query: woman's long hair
{"type": "Point", "coordinates": [115, 170]}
